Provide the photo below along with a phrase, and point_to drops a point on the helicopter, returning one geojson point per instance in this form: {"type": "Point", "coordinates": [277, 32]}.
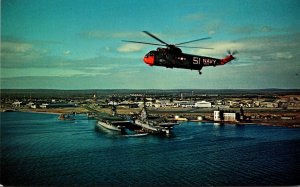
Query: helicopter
{"type": "Point", "coordinates": [172, 56]}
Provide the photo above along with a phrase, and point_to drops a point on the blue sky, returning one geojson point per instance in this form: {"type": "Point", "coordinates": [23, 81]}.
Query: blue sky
{"type": "Point", "coordinates": [77, 44]}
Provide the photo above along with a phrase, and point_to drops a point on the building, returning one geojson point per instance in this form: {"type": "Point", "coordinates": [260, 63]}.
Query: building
{"type": "Point", "coordinates": [113, 103]}
{"type": "Point", "coordinates": [59, 105]}
{"type": "Point", "coordinates": [217, 116]}
{"type": "Point", "coordinates": [229, 116]}
{"type": "Point", "coordinates": [203, 104]}
{"type": "Point", "coordinates": [17, 104]}
{"type": "Point", "coordinates": [225, 116]}
{"type": "Point", "coordinates": [185, 104]}
{"type": "Point", "coordinates": [31, 105]}
{"type": "Point", "coordinates": [44, 105]}
{"type": "Point", "coordinates": [269, 104]}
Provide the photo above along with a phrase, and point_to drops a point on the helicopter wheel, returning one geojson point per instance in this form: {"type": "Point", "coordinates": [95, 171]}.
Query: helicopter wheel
{"type": "Point", "coordinates": [200, 72]}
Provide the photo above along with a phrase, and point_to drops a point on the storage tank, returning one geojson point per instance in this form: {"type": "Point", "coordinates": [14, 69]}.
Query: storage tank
{"type": "Point", "coordinates": [199, 118]}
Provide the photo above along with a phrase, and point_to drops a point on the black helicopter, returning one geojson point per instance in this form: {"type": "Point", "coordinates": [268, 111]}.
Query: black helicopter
{"type": "Point", "coordinates": [172, 56]}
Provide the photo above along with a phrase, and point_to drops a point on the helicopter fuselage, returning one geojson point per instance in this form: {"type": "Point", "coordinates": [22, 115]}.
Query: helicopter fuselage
{"type": "Point", "coordinates": [174, 58]}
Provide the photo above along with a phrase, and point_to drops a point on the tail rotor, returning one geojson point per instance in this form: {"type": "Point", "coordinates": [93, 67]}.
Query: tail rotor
{"type": "Point", "coordinates": [229, 57]}
{"type": "Point", "coordinates": [232, 54]}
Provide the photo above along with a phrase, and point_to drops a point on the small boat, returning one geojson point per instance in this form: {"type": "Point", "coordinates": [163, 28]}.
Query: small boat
{"type": "Point", "coordinates": [91, 115]}
{"type": "Point", "coordinates": [9, 110]}
{"type": "Point", "coordinates": [65, 117]}
{"type": "Point", "coordinates": [136, 135]}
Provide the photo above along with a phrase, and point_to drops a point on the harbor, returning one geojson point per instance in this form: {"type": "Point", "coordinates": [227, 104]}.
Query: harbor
{"type": "Point", "coordinates": [139, 123]}
{"type": "Point", "coordinates": [70, 152]}
{"type": "Point", "coordinates": [150, 93]}
{"type": "Point", "coordinates": [149, 144]}
{"type": "Point", "coordinates": [281, 109]}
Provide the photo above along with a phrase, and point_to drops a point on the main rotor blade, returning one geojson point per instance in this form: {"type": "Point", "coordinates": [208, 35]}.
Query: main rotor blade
{"type": "Point", "coordinates": [193, 41]}
{"type": "Point", "coordinates": [194, 47]}
{"type": "Point", "coordinates": [155, 37]}
{"type": "Point", "coordinates": [235, 52]}
{"type": "Point", "coordinates": [142, 42]}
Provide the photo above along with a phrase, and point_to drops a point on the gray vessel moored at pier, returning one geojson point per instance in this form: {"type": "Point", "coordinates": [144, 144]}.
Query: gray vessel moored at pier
{"type": "Point", "coordinates": [111, 125]}
{"type": "Point", "coordinates": [151, 125]}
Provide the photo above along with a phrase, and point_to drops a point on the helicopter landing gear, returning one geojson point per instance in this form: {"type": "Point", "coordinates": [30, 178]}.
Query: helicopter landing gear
{"type": "Point", "coordinates": [200, 70]}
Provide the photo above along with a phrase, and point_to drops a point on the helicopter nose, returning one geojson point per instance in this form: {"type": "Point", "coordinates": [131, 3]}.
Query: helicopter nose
{"type": "Point", "coordinates": [149, 60]}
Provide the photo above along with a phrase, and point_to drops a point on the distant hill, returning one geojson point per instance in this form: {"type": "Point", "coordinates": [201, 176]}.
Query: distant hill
{"type": "Point", "coordinates": [53, 93]}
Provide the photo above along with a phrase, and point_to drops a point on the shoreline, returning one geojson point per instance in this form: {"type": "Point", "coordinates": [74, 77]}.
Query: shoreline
{"type": "Point", "coordinates": [278, 123]}
{"type": "Point", "coordinates": [265, 122]}
{"type": "Point", "coordinates": [57, 111]}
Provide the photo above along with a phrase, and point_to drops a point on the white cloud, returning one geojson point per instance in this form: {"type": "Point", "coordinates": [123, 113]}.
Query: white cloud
{"type": "Point", "coordinates": [194, 17]}
{"type": "Point", "coordinates": [219, 48]}
{"type": "Point", "coordinates": [67, 52]}
{"type": "Point", "coordinates": [255, 57]}
{"type": "Point", "coordinates": [14, 53]}
{"type": "Point", "coordinates": [130, 47]}
{"type": "Point", "coordinates": [101, 34]}
{"type": "Point", "coordinates": [252, 29]}
{"type": "Point", "coordinates": [283, 55]}
{"type": "Point", "coordinates": [35, 72]}
{"type": "Point", "coordinates": [15, 47]}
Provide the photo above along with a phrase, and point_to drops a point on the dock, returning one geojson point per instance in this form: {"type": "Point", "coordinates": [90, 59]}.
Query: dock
{"type": "Point", "coordinates": [140, 125]}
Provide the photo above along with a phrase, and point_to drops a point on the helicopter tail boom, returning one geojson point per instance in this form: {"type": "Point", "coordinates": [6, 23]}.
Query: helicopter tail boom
{"type": "Point", "coordinates": [227, 59]}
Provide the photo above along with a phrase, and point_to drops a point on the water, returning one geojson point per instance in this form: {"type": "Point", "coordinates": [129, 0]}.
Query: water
{"type": "Point", "coordinates": [38, 149]}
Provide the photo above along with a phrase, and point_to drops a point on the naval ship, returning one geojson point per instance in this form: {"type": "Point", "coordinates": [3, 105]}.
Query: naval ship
{"type": "Point", "coordinates": [113, 122]}
{"type": "Point", "coordinates": [153, 126]}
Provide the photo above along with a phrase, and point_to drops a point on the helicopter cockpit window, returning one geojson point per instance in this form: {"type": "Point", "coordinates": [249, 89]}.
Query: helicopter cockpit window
{"type": "Point", "coordinates": [148, 54]}
{"type": "Point", "coordinates": [151, 53]}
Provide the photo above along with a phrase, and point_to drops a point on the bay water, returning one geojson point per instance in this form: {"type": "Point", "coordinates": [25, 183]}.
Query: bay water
{"type": "Point", "coordinates": [39, 149]}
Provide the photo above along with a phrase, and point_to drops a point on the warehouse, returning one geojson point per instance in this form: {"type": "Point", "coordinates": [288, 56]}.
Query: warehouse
{"type": "Point", "coordinates": [203, 104]}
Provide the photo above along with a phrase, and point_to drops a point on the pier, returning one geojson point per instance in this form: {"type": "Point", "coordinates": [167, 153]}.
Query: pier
{"type": "Point", "coordinates": [140, 125]}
